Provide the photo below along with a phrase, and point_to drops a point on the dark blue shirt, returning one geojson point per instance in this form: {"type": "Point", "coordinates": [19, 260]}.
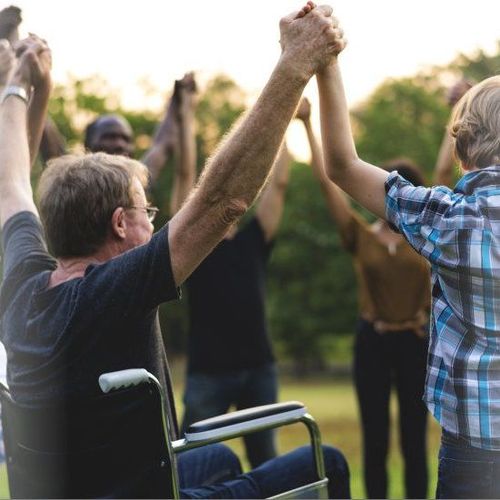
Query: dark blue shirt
{"type": "Point", "coordinates": [59, 340]}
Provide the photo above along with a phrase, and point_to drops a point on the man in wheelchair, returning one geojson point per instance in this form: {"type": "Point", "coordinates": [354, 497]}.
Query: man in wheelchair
{"type": "Point", "coordinates": [88, 304]}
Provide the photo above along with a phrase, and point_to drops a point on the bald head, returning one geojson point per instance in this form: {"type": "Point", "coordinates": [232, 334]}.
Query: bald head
{"type": "Point", "coordinates": [110, 134]}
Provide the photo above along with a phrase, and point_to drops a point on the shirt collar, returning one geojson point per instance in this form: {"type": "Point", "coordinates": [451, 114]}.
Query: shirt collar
{"type": "Point", "coordinates": [488, 177]}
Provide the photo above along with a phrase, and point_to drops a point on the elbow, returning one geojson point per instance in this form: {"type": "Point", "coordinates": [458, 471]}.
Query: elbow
{"type": "Point", "coordinates": [231, 211]}
{"type": "Point", "coordinates": [337, 167]}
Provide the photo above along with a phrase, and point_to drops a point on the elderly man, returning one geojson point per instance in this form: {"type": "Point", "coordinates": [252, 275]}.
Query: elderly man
{"type": "Point", "coordinates": [90, 305]}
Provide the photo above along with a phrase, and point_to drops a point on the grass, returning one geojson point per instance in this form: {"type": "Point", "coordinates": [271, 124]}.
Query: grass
{"type": "Point", "coordinates": [332, 403]}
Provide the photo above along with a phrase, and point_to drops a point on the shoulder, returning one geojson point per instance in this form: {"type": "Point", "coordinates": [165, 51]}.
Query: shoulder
{"type": "Point", "coordinates": [24, 247]}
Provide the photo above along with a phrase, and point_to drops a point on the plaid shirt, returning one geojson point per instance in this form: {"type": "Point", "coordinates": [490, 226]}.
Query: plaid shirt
{"type": "Point", "coordinates": [458, 231]}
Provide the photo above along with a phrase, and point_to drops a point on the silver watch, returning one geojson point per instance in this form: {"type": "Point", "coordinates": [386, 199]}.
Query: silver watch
{"type": "Point", "coordinates": [16, 90]}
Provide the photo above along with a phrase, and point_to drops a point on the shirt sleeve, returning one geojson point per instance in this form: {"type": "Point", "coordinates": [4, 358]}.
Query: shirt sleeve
{"type": "Point", "coordinates": [135, 282]}
{"type": "Point", "coordinates": [24, 249]}
{"type": "Point", "coordinates": [422, 215]}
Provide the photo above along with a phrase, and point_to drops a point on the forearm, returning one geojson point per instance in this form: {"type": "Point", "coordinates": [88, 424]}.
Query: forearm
{"type": "Point", "coordinates": [37, 114]}
{"type": "Point", "coordinates": [52, 144]}
{"type": "Point", "coordinates": [316, 154]}
{"type": "Point", "coordinates": [338, 144]}
{"type": "Point", "coordinates": [15, 187]}
{"type": "Point", "coordinates": [235, 174]}
{"type": "Point", "coordinates": [281, 170]}
{"type": "Point", "coordinates": [337, 203]}
{"type": "Point", "coordinates": [185, 171]}
{"type": "Point", "coordinates": [160, 150]}
{"type": "Point", "coordinates": [360, 180]}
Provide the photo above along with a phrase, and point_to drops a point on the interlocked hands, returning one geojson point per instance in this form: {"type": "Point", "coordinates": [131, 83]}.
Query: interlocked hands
{"type": "Point", "coordinates": [311, 39]}
{"type": "Point", "coordinates": [34, 62]}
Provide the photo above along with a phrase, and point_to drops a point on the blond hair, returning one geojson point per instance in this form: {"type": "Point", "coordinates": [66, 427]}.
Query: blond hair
{"type": "Point", "coordinates": [475, 125]}
{"type": "Point", "coordinates": [77, 196]}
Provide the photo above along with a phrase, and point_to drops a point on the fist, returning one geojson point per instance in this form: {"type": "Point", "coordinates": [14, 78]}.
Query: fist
{"type": "Point", "coordinates": [311, 38]}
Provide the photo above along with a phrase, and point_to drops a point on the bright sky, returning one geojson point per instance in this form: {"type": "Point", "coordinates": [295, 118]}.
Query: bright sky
{"type": "Point", "coordinates": [159, 40]}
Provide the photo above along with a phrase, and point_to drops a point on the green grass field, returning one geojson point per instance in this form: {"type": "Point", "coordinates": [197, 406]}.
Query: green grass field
{"type": "Point", "coordinates": [332, 403]}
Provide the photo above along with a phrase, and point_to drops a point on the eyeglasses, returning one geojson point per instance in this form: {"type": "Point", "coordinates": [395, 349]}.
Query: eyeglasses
{"type": "Point", "coordinates": [150, 211]}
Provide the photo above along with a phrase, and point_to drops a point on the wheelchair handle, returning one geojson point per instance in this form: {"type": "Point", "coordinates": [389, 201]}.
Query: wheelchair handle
{"type": "Point", "coordinates": [112, 381]}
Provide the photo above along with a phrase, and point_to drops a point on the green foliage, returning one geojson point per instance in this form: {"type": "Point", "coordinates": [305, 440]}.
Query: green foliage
{"type": "Point", "coordinates": [477, 66]}
{"type": "Point", "coordinates": [312, 292]}
{"type": "Point", "coordinates": [218, 107]}
{"type": "Point", "coordinates": [402, 118]}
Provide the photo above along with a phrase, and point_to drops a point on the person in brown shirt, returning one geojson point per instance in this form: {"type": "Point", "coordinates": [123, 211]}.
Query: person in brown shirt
{"type": "Point", "coordinates": [391, 334]}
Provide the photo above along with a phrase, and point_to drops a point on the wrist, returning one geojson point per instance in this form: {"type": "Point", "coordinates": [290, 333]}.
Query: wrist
{"type": "Point", "coordinates": [294, 70]}
{"type": "Point", "coordinates": [16, 91]}
{"type": "Point", "coordinates": [18, 80]}
{"type": "Point", "coordinates": [44, 85]}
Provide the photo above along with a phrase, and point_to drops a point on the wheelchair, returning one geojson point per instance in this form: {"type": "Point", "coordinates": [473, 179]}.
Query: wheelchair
{"type": "Point", "coordinates": [121, 444]}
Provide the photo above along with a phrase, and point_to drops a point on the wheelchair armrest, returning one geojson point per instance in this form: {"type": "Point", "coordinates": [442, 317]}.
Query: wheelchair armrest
{"type": "Point", "coordinates": [112, 381]}
{"type": "Point", "coordinates": [243, 421]}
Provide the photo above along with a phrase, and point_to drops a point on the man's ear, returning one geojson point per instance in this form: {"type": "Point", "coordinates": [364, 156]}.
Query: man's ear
{"type": "Point", "coordinates": [118, 223]}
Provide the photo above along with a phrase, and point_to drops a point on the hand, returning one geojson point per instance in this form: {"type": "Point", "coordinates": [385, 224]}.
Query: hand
{"type": "Point", "coordinates": [34, 63]}
{"type": "Point", "coordinates": [10, 19]}
{"type": "Point", "coordinates": [311, 39]}
{"type": "Point", "coordinates": [185, 92]}
{"type": "Point", "coordinates": [455, 92]}
{"type": "Point", "coordinates": [7, 60]}
{"type": "Point", "coordinates": [304, 110]}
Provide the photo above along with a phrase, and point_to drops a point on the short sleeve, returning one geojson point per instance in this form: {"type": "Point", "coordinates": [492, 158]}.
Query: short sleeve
{"type": "Point", "coordinates": [134, 282]}
{"type": "Point", "coordinates": [24, 249]}
{"type": "Point", "coordinates": [421, 214]}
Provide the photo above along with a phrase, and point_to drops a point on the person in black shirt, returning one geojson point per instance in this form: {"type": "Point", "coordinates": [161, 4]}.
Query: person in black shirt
{"type": "Point", "coordinates": [88, 303]}
{"type": "Point", "coordinates": [230, 358]}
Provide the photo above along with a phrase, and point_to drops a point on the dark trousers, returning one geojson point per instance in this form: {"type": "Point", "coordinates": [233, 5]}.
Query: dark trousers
{"type": "Point", "coordinates": [214, 472]}
{"type": "Point", "coordinates": [207, 395]}
{"type": "Point", "coordinates": [379, 361]}
{"type": "Point", "coordinates": [467, 472]}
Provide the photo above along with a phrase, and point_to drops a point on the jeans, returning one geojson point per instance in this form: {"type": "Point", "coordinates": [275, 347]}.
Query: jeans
{"type": "Point", "coordinates": [208, 395]}
{"type": "Point", "coordinates": [381, 360]}
{"type": "Point", "coordinates": [467, 472]}
{"type": "Point", "coordinates": [214, 472]}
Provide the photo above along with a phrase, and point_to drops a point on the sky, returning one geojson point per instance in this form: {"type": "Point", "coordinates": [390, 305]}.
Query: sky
{"type": "Point", "coordinates": [156, 41]}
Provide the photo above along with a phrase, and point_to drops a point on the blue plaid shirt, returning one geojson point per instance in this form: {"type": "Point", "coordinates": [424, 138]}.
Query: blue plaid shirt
{"type": "Point", "coordinates": [458, 231]}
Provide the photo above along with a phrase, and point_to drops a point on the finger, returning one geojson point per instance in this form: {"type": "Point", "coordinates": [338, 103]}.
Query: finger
{"type": "Point", "coordinates": [326, 10]}
{"type": "Point", "coordinates": [4, 44]}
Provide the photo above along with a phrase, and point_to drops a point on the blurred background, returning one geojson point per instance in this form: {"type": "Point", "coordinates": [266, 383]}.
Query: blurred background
{"type": "Point", "coordinates": [401, 59]}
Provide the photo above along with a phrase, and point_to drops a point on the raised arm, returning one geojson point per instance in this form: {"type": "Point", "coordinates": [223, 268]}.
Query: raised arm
{"type": "Point", "coordinates": [37, 111]}
{"type": "Point", "coordinates": [272, 199]}
{"type": "Point", "coordinates": [185, 168]}
{"type": "Point", "coordinates": [15, 188]}
{"type": "Point", "coordinates": [163, 141]}
{"type": "Point", "coordinates": [336, 201]}
{"type": "Point", "coordinates": [237, 171]}
{"type": "Point", "coordinates": [53, 144]}
{"type": "Point", "coordinates": [443, 171]}
{"type": "Point", "coordinates": [362, 181]}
